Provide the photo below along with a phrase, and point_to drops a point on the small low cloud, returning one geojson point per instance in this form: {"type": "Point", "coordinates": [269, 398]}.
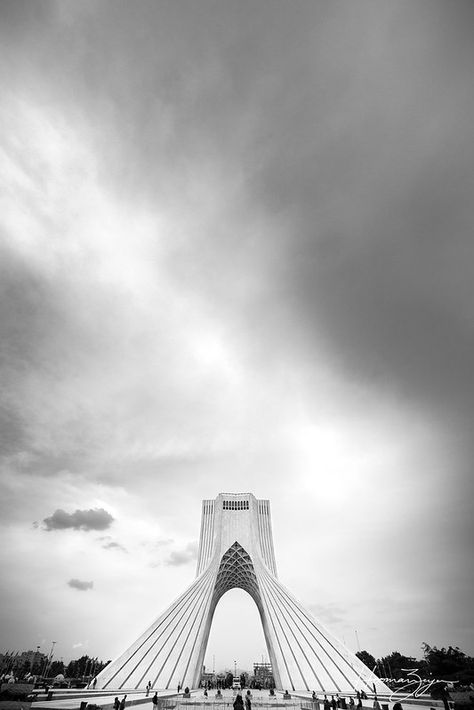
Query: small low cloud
{"type": "Point", "coordinates": [183, 556]}
{"type": "Point", "coordinates": [114, 546]}
{"type": "Point", "coordinates": [93, 519]}
{"type": "Point", "coordinates": [77, 645]}
{"type": "Point", "coordinates": [80, 585]}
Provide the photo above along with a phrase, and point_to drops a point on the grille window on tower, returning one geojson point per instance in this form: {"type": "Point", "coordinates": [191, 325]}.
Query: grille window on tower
{"type": "Point", "coordinates": [235, 505]}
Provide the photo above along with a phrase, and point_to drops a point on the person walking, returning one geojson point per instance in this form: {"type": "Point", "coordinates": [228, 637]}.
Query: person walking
{"type": "Point", "coordinates": [238, 702]}
{"type": "Point", "coordinates": [116, 704]}
{"type": "Point", "coordinates": [326, 703]}
{"type": "Point", "coordinates": [154, 700]}
{"type": "Point", "coordinates": [122, 702]}
{"type": "Point", "coordinates": [333, 702]}
{"type": "Point", "coordinates": [248, 700]}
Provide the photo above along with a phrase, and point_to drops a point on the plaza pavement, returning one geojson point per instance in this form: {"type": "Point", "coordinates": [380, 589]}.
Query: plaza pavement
{"type": "Point", "coordinates": [72, 700]}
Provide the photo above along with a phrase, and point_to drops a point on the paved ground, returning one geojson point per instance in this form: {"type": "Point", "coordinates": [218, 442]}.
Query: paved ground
{"type": "Point", "coordinates": [71, 699]}
{"type": "Point", "coordinates": [65, 700]}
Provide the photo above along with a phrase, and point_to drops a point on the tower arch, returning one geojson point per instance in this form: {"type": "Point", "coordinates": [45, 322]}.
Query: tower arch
{"type": "Point", "coordinates": [236, 550]}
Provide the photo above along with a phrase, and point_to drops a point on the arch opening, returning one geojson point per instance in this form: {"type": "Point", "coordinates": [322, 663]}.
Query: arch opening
{"type": "Point", "coordinates": [236, 634]}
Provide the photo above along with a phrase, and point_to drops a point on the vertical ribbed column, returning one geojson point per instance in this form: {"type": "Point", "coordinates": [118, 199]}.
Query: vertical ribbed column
{"type": "Point", "coordinates": [272, 559]}
{"type": "Point", "coordinates": [206, 537]}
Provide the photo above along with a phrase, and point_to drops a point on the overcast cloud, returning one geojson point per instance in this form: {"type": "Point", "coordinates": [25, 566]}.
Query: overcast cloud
{"type": "Point", "coordinates": [236, 254]}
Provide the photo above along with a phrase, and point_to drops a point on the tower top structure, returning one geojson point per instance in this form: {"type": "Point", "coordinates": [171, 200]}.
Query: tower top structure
{"type": "Point", "coordinates": [236, 516]}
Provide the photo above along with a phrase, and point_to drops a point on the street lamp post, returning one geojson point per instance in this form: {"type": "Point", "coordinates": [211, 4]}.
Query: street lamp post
{"type": "Point", "coordinates": [50, 658]}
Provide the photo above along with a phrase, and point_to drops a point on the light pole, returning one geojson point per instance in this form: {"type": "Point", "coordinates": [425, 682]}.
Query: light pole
{"type": "Point", "coordinates": [235, 669]}
{"type": "Point", "coordinates": [50, 658]}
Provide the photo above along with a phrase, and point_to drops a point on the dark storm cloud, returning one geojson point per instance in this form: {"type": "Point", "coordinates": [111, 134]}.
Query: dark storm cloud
{"type": "Point", "coordinates": [376, 188]}
{"type": "Point", "coordinates": [92, 519]}
{"type": "Point", "coordinates": [366, 162]}
{"type": "Point", "coordinates": [80, 585]}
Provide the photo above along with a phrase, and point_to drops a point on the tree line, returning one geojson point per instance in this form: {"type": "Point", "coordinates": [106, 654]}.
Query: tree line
{"type": "Point", "coordinates": [450, 664]}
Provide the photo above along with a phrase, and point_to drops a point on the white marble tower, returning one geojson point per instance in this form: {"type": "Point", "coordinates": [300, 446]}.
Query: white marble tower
{"type": "Point", "coordinates": [236, 550]}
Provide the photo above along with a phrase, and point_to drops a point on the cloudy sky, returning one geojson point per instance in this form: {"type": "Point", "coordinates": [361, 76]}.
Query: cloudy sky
{"type": "Point", "coordinates": [236, 255]}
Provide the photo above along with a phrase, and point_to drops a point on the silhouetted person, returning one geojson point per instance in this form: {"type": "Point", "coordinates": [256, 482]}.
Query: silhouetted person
{"type": "Point", "coordinates": [122, 703]}
{"type": "Point", "coordinates": [238, 702]}
{"type": "Point", "coordinates": [94, 683]}
{"type": "Point", "coordinates": [351, 702]}
{"type": "Point", "coordinates": [376, 704]}
{"type": "Point", "coordinates": [116, 704]}
{"type": "Point", "coordinates": [333, 702]}
{"type": "Point", "coordinates": [326, 703]}
{"type": "Point", "coordinates": [397, 706]}
{"type": "Point", "coordinates": [154, 700]}
{"type": "Point", "coordinates": [248, 701]}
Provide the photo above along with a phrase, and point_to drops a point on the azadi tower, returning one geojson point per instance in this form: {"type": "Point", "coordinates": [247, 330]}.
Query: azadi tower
{"type": "Point", "coordinates": [236, 550]}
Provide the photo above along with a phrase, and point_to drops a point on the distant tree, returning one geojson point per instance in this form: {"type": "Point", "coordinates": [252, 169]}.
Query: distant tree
{"type": "Point", "coordinates": [395, 665]}
{"type": "Point", "coordinates": [26, 668]}
{"type": "Point", "coordinates": [71, 669]}
{"type": "Point", "coordinates": [367, 659]}
{"type": "Point", "coordinates": [229, 679]}
{"type": "Point", "coordinates": [56, 668]}
{"type": "Point", "coordinates": [448, 663]}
